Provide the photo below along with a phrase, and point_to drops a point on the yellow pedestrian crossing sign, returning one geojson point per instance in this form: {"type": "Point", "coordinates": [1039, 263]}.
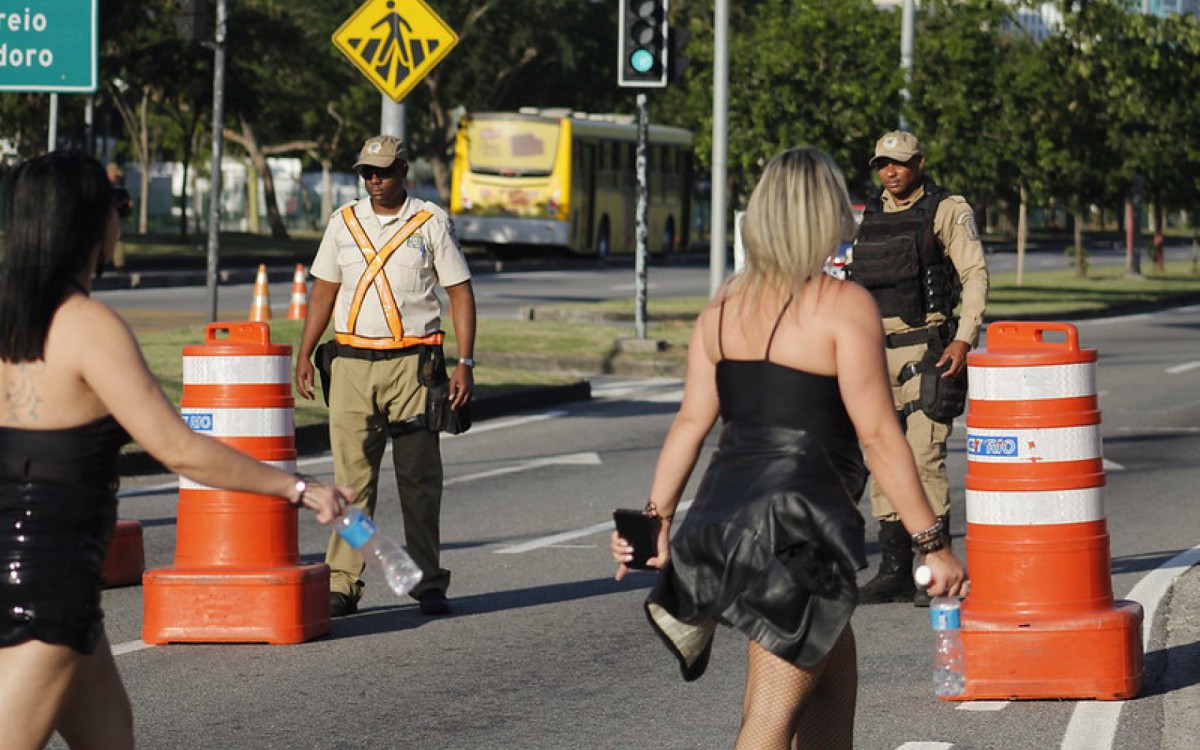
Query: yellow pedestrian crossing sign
{"type": "Point", "coordinates": [395, 43]}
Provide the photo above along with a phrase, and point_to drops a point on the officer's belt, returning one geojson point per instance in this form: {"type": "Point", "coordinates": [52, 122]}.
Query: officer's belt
{"type": "Point", "coordinates": [374, 355]}
{"type": "Point", "coordinates": [911, 338]}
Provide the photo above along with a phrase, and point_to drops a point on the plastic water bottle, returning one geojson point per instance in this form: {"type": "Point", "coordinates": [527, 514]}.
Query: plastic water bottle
{"type": "Point", "coordinates": [383, 554]}
{"type": "Point", "coordinates": [948, 679]}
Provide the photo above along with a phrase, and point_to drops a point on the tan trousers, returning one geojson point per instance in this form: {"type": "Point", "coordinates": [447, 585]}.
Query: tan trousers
{"type": "Point", "coordinates": [365, 397]}
{"type": "Point", "coordinates": [926, 438]}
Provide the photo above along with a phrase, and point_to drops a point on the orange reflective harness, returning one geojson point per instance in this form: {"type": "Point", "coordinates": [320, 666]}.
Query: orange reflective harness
{"type": "Point", "coordinates": [375, 275]}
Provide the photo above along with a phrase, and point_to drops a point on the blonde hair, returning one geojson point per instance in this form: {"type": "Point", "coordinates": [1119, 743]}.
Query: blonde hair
{"type": "Point", "coordinates": [798, 214]}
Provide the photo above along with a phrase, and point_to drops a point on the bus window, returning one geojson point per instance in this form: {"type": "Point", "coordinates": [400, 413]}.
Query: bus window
{"type": "Point", "coordinates": [513, 148]}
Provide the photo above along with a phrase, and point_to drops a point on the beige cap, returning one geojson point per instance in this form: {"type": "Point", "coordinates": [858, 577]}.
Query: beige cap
{"type": "Point", "coordinates": [381, 151]}
{"type": "Point", "coordinates": [898, 145]}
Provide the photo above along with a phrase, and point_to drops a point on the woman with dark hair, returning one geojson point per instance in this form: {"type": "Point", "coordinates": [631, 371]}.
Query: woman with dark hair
{"type": "Point", "coordinates": [73, 389]}
{"type": "Point", "coordinates": [772, 542]}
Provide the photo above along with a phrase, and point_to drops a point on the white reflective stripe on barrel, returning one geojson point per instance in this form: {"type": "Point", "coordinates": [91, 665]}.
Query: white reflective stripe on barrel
{"type": "Point", "coordinates": [1026, 383]}
{"type": "Point", "coordinates": [1035, 508]}
{"type": "Point", "coordinates": [240, 422]}
{"type": "Point", "coordinates": [187, 484]}
{"type": "Point", "coordinates": [1020, 446]}
{"type": "Point", "coordinates": [241, 370]}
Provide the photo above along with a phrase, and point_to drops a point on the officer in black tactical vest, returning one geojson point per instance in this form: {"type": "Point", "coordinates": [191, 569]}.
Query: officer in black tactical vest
{"type": "Point", "coordinates": [918, 251]}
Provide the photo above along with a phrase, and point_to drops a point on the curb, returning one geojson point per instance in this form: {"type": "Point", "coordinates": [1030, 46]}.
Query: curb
{"type": "Point", "coordinates": [313, 439]}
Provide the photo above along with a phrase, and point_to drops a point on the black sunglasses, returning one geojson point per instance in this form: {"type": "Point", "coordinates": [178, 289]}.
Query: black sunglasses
{"type": "Point", "coordinates": [122, 202]}
{"type": "Point", "coordinates": [369, 173]}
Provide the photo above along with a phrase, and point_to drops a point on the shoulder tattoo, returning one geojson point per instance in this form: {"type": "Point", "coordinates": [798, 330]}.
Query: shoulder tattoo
{"type": "Point", "coordinates": [21, 398]}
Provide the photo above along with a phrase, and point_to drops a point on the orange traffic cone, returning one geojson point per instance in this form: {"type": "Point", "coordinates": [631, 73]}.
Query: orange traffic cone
{"type": "Point", "coordinates": [1041, 621]}
{"type": "Point", "coordinates": [260, 305]}
{"type": "Point", "coordinates": [298, 307]}
{"type": "Point", "coordinates": [237, 576]}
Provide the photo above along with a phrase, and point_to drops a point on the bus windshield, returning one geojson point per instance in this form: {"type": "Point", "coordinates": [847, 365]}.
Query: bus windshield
{"type": "Point", "coordinates": [513, 147]}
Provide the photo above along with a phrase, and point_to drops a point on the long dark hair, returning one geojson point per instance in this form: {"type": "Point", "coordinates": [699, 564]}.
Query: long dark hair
{"type": "Point", "coordinates": [57, 211]}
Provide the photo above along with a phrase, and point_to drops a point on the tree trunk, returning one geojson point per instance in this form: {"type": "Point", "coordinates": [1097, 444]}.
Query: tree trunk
{"type": "Point", "coordinates": [247, 140]}
{"type": "Point", "coordinates": [1022, 229]}
{"type": "Point", "coordinates": [1080, 266]}
{"type": "Point", "coordinates": [326, 188]}
{"type": "Point", "coordinates": [143, 138]}
{"type": "Point", "coordinates": [1160, 263]}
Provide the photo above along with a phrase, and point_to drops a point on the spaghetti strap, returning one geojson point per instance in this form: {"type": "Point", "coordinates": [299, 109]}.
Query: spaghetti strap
{"type": "Point", "coordinates": [720, 327]}
{"type": "Point", "coordinates": [771, 340]}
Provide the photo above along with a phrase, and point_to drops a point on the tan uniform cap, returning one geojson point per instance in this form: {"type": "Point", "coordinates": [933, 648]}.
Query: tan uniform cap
{"type": "Point", "coordinates": [381, 151]}
{"type": "Point", "coordinates": [898, 145]}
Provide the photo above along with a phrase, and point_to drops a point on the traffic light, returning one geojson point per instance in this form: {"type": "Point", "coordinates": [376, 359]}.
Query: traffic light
{"type": "Point", "coordinates": [192, 20]}
{"type": "Point", "coordinates": [642, 52]}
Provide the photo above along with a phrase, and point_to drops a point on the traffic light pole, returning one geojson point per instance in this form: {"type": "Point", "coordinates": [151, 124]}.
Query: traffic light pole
{"type": "Point", "coordinates": [218, 140]}
{"type": "Point", "coordinates": [643, 193]}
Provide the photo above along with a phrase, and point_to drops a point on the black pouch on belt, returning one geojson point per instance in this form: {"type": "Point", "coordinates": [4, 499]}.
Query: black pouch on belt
{"type": "Point", "coordinates": [942, 399]}
{"type": "Point", "coordinates": [323, 357]}
{"type": "Point", "coordinates": [439, 417]}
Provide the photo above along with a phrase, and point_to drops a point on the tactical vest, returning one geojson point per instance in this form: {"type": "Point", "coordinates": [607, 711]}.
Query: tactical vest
{"type": "Point", "coordinates": [898, 258]}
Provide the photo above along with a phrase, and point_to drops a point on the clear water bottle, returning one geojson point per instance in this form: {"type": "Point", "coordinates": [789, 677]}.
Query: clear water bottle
{"type": "Point", "coordinates": [383, 554]}
{"type": "Point", "coordinates": [948, 679]}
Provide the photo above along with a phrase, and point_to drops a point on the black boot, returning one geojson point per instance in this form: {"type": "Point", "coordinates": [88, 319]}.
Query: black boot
{"type": "Point", "coordinates": [894, 582]}
{"type": "Point", "coordinates": [922, 598]}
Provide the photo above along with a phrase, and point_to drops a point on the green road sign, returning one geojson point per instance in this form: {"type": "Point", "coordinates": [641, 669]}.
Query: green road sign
{"type": "Point", "coordinates": [48, 45]}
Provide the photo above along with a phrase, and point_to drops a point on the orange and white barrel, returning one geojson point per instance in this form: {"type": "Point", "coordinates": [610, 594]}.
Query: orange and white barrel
{"type": "Point", "coordinates": [1040, 621]}
{"type": "Point", "coordinates": [237, 575]}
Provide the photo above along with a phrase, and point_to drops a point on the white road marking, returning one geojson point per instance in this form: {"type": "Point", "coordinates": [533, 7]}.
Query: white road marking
{"type": "Point", "coordinates": [926, 746]}
{"type": "Point", "coordinates": [566, 459]}
{"type": "Point", "coordinates": [1093, 724]}
{"type": "Point", "coordinates": [1183, 367]}
{"type": "Point", "coordinates": [983, 705]}
{"type": "Point", "coordinates": [130, 646]}
{"type": "Point", "coordinates": [566, 536]}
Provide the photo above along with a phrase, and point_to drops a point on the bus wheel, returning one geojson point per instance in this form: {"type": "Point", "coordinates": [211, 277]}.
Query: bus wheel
{"type": "Point", "coordinates": [603, 242]}
{"type": "Point", "coordinates": [668, 239]}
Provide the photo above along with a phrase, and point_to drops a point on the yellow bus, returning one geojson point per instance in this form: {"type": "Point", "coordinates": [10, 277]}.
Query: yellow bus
{"type": "Point", "coordinates": [564, 179]}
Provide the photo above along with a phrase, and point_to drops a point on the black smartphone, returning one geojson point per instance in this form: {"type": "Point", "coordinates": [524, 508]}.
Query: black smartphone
{"type": "Point", "coordinates": [641, 531]}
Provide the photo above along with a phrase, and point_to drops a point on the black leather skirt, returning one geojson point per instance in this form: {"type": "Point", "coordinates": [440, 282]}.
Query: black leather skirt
{"type": "Point", "coordinates": [58, 510]}
{"type": "Point", "coordinates": [770, 547]}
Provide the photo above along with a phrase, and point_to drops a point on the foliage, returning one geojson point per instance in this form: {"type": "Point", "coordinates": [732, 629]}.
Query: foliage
{"type": "Point", "coordinates": [800, 71]}
{"type": "Point", "coordinates": [1074, 119]}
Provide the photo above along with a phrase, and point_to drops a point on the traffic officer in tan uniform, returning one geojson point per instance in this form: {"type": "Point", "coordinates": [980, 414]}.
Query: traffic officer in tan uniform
{"type": "Point", "coordinates": [376, 273]}
{"type": "Point", "coordinates": [919, 253]}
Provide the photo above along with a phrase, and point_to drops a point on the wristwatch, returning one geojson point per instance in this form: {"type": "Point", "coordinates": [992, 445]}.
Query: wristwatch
{"type": "Point", "coordinates": [301, 488]}
{"type": "Point", "coordinates": [467, 361]}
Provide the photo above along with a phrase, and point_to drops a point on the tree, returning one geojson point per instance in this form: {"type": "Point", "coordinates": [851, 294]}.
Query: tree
{"type": "Point", "coordinates": [839, 95]}
{"type": "Point", "coordinates": [962, 49]}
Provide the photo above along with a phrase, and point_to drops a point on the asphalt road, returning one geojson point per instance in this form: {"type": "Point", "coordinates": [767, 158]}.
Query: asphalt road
{"type": "Point", "coordinates": [505, 295]}
{"type": "Point", "coordinates": [547, 651]}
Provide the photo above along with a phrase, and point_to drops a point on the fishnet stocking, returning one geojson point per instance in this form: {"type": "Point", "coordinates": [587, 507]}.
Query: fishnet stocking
{"type": "Point", "coordinates": [816, 706]}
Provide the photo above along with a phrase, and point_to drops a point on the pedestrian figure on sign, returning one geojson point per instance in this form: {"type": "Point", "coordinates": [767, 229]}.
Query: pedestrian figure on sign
{"type": "Point", "coordinates": [395, 37]}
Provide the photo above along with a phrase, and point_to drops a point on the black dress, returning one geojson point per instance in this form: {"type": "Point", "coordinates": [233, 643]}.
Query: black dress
{"type": "Point", "coordinates": [772, 542]}
{"type": "Point", "coordinates": [58, 509]}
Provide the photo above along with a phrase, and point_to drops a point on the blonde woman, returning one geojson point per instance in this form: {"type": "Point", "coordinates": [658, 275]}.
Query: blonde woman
{"type": "Point", "coordinates": [73, 389]}
{"type": "Point", "coordinates": [792, 361]}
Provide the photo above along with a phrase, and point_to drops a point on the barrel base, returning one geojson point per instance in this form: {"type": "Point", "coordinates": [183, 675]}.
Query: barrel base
{"type": "Point", "coordinates": [125, 559]}
{"type": "Point", "coordinates": [214, 605]}
{"type": "Point", "coordinates": [1094, 655]}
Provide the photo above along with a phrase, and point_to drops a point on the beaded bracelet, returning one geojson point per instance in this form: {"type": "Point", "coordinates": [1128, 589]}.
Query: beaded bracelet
{"type": "Point", "coordinates": [932, 532]}
{"type": "Point", "coordinates": [652, 511]}
{"type": "Point", "coordinates": [931, 539]}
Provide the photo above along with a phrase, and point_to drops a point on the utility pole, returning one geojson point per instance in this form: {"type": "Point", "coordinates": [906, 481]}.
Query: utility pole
{"type": "Point", "coordinates": [643, 200]}
{"type": "Point", "coordinates": [906, 55]}
{"type": "Point", "coordinates": [218, 140]}
{"type": "Point", "coordinates": [720, 149]}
